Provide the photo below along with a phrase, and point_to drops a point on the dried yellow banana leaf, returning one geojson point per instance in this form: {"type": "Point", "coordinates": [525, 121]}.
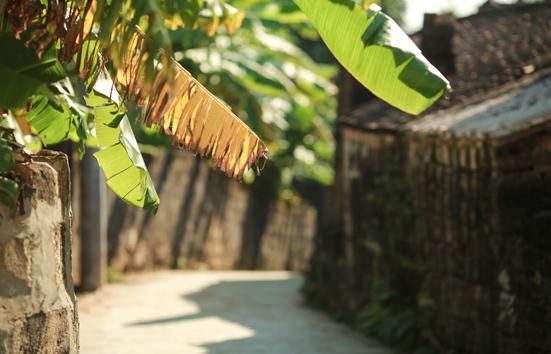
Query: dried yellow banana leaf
{"type": "Point", "coordinates": [184, 109]}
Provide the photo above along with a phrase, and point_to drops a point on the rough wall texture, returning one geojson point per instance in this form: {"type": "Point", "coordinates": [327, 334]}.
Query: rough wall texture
{"type": "Point", "coordinates": [485, 235]}
{"type": "Point", "coordinates": [451, 234]}
{"type": "Point", "coordinates": [444, 242]}
{"type": "Point", "coordinates": [37, 302]}
{"type": "Point", "coordinates": [208, 221]}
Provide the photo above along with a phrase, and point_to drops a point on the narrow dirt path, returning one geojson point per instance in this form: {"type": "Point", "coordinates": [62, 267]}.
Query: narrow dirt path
{"type": "Point", "coordinates": [214, 313]}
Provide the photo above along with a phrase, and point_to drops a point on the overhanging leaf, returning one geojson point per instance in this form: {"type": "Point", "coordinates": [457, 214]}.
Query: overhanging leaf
{"type": "Point", "coordinates": [16, 88]}
{"type": "Point", "coordinates": [197, 120]}
{"type": "Point", "coordinates": [375, 50]}
{"type": "Point", "coordinates": [121, 160]}
{"type": "Point", "coordinates": [22, 72]}
{"type": "Point", "coordinates": [127, 176]}
{"type": "Point", "coordinates": [51, 120]}
{"type": "Point", "coordinates": [107, 117]}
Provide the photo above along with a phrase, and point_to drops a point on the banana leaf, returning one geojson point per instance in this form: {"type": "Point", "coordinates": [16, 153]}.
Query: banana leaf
{"type": "Point", "coordinates": [375, 50]}
{"type": "Point", "coordinates": [22, 72]}
{"type": "Point", "coordinates": [120, 158]}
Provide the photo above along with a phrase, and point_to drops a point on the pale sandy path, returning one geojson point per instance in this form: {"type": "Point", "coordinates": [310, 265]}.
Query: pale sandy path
{"type": "Point", "coordinates": [211, 312]}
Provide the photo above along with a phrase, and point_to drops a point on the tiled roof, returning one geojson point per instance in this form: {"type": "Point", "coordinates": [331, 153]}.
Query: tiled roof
{"type": "Point", "coordinates": [515, 107]}
{"type": "Point", "coordinates": [500, 46]}
{"type": "Point", "coordinates": [375, 115]}
{"type": "Point", "coordinates": [491, 48]}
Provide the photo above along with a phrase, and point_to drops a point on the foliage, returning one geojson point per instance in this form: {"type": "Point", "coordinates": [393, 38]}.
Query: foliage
{"type": "Point", "coordinates": [113, 276]}
{"type": "Point", "coordinates": [271, 84]}
{"type": "Point", "coordinates": [399, 324]}
{"type": "Point", "coordinates": [380, 287]}
{"type": "Point", "coordinates": [58, 50]}
{"type": "Point", "coordinates": [377, 53]}
{"type": "Point", "coordinates": [9, 189]}
{"type": "Point", "coordinates": [398, 309]}
{"type": "Point", "coordinates": [120, 159]}
{"type": "Point", "coordinates": [396, 9]}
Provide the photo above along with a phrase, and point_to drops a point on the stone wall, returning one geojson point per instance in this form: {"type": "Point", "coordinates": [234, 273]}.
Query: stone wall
{"type": "Point", "coordinates": [37, 302]}
{"type": "Point", "coordinates": [208, 221]}
{"type": "Point", "coordinates": [445, 243]}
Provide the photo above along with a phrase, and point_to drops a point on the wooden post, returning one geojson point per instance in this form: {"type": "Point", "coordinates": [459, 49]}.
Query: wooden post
{"type": "Point", "coordinates": [93, 224]}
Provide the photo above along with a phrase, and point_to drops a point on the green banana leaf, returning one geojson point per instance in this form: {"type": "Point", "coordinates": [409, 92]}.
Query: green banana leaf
{"type": "Point", "coordinates": [375, 50]}
{"type": "Point", "coordinates": [22, 72]}
{"type": "Point", "coordinates": [16, 88]}
{"type": "Point", "coordinates": [121, 159]}
{"type": "Point", "coordinates": [51, 120]}
{"type": "Point", "coordinates": [6, 156]}
{"type": "Point", "coordinates": [189, 11]}
{"type": "Point", "coordinates": [9, 192]}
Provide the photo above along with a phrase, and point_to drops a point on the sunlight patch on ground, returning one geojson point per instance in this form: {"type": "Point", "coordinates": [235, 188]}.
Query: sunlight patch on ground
{"type": "Point", "coordinates": [211, 313]}
{"type": "Point", "coordinates": [220, 330]}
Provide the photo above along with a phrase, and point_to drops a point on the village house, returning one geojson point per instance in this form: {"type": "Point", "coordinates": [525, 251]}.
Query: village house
{"type": "Point", "coordinates": [456, 201]}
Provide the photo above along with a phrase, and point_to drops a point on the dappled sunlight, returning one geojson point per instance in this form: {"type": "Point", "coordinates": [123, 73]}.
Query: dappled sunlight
{"type": "Point", "coordinates": [211, 312]}
{"type": "Point", "coordinates": [394, 160]}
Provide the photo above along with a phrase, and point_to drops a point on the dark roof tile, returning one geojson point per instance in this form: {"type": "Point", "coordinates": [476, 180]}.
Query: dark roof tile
{"type": "Point", "coordinates": [492, 48]}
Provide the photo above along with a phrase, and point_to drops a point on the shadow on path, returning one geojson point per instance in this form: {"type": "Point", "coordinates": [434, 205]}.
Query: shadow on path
{"type": "Point", "coordinates": [271, 310]}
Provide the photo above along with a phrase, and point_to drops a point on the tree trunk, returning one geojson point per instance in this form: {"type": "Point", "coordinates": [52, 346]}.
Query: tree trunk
{"type": "Point", "coordinates": [37, 302]}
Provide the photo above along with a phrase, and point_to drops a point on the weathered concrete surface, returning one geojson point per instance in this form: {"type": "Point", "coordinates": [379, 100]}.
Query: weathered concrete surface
{"type": "Point", "coordinates": [214, 313]}
{"type": "Point", "coordinates": [37, 302]}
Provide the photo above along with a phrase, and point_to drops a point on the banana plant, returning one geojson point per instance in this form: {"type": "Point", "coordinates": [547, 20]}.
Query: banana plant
{"type": "Point", "coordinates": [274, 86]}
{"type": "Point", "coordinates": [72, 68]}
